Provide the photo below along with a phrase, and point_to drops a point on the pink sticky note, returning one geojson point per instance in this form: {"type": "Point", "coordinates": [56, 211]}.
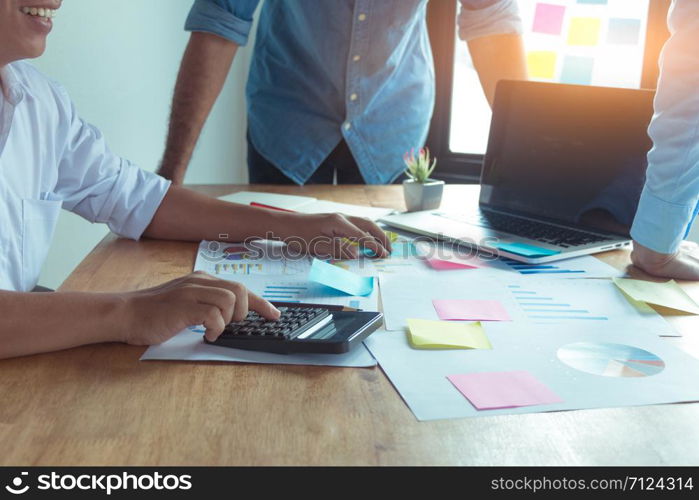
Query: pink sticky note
{"type": "Point", "coordinates": [495, 390]}
{"type": "Point", "coordinates": [548, 18]}
{"type": "Point", "coordinates": [470, 310]}
{"type": "Point", "coordinates": [448, 265]}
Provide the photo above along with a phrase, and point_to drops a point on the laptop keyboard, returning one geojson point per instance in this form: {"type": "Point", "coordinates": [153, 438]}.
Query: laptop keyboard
{"type": "Point", "coordinates": [539, 231]}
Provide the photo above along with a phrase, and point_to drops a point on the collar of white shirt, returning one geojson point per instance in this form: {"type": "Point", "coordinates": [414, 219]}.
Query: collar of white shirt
{"type": "Point", "coordinates": [12, 88]}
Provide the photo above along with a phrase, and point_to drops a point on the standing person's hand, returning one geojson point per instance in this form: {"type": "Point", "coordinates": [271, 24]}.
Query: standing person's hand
{"type": "Point", "coordinates": [334, 235]}
{"type": "Point", "coordinates": [683, 264]}
{"type": "Point", "coordinates": [156, 314]}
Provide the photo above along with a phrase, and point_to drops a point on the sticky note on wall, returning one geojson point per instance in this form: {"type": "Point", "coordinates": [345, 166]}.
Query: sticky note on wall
{"type": "Point", "coordinates": [595, 2]}
{"type": "Point", "coordinates": [624, 31]}
{"type": "Point", "coordinates": [584, 31]}
{"type": "Point", "coordinates": [577, 70]}
{"type": "Point", "coordinates": [542, 64]}
{"type": "Point", "coordinates": [548, 18]}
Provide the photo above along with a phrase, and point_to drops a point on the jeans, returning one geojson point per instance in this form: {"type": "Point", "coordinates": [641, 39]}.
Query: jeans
{"type": "Point", "coordinates": [338, 166]}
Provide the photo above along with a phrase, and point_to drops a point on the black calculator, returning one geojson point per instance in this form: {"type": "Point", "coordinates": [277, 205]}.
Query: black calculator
{"type": "Point", "coordinates": [302, 328]}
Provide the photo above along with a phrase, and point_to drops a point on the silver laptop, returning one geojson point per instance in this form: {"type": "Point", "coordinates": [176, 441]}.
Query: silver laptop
{"type": "Point", "coordinates": [561, 177]}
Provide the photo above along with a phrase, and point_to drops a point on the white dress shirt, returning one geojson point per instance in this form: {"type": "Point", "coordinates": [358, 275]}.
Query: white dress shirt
{"type": "Point", "coordinates": [51, 159]}
{"type": "Point", "coordinates": [670, 197]}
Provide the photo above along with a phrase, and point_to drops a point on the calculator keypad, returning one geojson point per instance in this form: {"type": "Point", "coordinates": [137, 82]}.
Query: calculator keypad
{"type": "Point", "coordinates": [293, 322]}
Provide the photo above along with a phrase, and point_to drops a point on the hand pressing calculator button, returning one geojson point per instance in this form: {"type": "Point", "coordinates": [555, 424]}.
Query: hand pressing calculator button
{"type": "Point", "coordinates": [307, 328]}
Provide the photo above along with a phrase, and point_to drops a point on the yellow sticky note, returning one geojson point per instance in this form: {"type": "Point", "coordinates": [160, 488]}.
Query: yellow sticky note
{"type": "Point", "coordinates": [584, 31]}
{"type": "Point", "coordinates": [542, 64]}
{"type": "Point", "coordinates": [668, 294]}
{"type": "Point", "coordinates": [392, 237]}
{"type": "Point", "coordinates": [427, 334]}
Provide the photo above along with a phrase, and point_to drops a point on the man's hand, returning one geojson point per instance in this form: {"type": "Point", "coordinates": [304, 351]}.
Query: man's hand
{"type": "Point", "coordinates": [158, 313]}
{"type": "Point", "coordinates": [682, 265]}
{"type": "Point", "coordinates": [333, 235]}
{"type": "Point", "coordinates": [190, 216]}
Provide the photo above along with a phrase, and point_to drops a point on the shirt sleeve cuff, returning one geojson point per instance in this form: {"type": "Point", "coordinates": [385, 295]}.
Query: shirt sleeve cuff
{"type": "Point", "coordinates": [661, 225]}
{"type": "Point", "coordinates": [133, 201]}
{"type": "Point", "coordinates": [500, 18]}
{"type": "Point", "coordinates": [208, 17]}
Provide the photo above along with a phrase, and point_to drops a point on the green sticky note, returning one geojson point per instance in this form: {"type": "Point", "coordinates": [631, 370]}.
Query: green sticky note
{"type": "Point", "coordinates": [428, 334]}
{"type": "Point", "coordinates": [340, 279]}
{"type": "Point", "coordinates": [668, 294]}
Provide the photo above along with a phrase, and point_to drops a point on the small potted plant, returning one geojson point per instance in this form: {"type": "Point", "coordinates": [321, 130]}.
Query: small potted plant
{"type": "Point", "coordinates": [421, 192]}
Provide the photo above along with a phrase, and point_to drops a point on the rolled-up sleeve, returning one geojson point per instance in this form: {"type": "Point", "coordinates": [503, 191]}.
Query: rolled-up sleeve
{"type": "Point", "coordinates": [230, 19]}
{"type": "Point", "coordinates": [100, 186]}
{"type": "Point", "coordinates": [670, 196]}
{"type": "Point", "coordinates": [479, 18]}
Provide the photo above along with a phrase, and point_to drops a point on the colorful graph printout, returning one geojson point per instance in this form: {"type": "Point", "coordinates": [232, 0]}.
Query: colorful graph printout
{"type": "Point", "coordinates": [611, 360]}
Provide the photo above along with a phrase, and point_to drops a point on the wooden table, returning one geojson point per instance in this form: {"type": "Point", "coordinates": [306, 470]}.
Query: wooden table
{"type": "Point", "coordinates": [99, 405]}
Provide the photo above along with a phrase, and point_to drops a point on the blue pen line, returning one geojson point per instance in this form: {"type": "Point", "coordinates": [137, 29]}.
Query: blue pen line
{"type": "Point", "coordinates": [513, 286]}
{"type": "Point", "coordinates": [551, 272]}
{"type": "Point", "coordinates": [277, 296]}
{"type": "Point", "coordinates": [539, 304]}
{"type": "Point", "coordinates": [598, 318]}
{"type": "Point", "coordinates": [534, 267]}
{"type": "Point", "coordinates": [523, 291]}
{"type": "Point", "coordinates": [558, 310]}
{"type": "Point", "coordinates": [534, 298]}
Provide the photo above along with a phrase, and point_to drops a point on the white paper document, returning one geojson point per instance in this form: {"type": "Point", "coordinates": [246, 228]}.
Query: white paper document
{"type": "Point", "coordinates": [306, 204]}
{"type": "Point", "coordinates": [190, 346]}
{"type": "Point", "coordinates": [261, 257]}
{"type": "Point", "coordinates": [298, 289]}
{"type": "Point", "coordinates": [592, 303]}
{"type": "Point", "coordinates": [592, 378]}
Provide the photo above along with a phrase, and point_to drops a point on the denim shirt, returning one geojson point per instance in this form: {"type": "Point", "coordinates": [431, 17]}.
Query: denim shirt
{"type": "Point", "coordinates": [670, 199]}
{"type": "Point", "coordinates": [355, 69]}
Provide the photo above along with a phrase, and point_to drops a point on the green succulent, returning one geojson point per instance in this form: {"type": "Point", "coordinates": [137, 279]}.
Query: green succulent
{"type": "Point", "coordinates": [420, 167]}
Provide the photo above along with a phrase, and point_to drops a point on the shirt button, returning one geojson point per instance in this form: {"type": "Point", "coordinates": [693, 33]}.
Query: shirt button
{"type": "Point", "coordinates": [348, 125]}
{"type": "Point", "coordinates": [353, 97]}
{"type": "Point", "coordinates": [356, 58]}
{"type": "Point", "coordinates": [361, 17]}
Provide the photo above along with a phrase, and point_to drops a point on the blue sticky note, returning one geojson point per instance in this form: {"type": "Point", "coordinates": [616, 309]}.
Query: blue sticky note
{"type": "Point", "coordinates": [577, 70]}
{"type": "Point", "coordinates": [595, 2]}
{"type": "Point", "coordinates": [624, 31]}
{"type": "Point", "coordinates": [339, 279]}
{"type": "Point", "coordinates": [405, 249]}
{"type": "Point", "coordinates": [525, 250]}
{"type": "Point", "coordinates": [368, 252]}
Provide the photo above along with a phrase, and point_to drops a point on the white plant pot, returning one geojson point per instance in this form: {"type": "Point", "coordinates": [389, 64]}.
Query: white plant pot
{"type": "Point", "coordinates": [419, 196]}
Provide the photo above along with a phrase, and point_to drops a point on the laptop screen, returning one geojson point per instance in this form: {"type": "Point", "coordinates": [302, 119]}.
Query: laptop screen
{"type": "Point", "coordinates": [568, 153]}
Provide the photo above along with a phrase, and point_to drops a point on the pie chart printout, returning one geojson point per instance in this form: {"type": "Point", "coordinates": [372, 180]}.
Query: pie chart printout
{"type": "Point", "coordinates": [610, 360]}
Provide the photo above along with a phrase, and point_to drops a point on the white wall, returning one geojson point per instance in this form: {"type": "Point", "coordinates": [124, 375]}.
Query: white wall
{"type": "Point", "coordinates": [119, 61]}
